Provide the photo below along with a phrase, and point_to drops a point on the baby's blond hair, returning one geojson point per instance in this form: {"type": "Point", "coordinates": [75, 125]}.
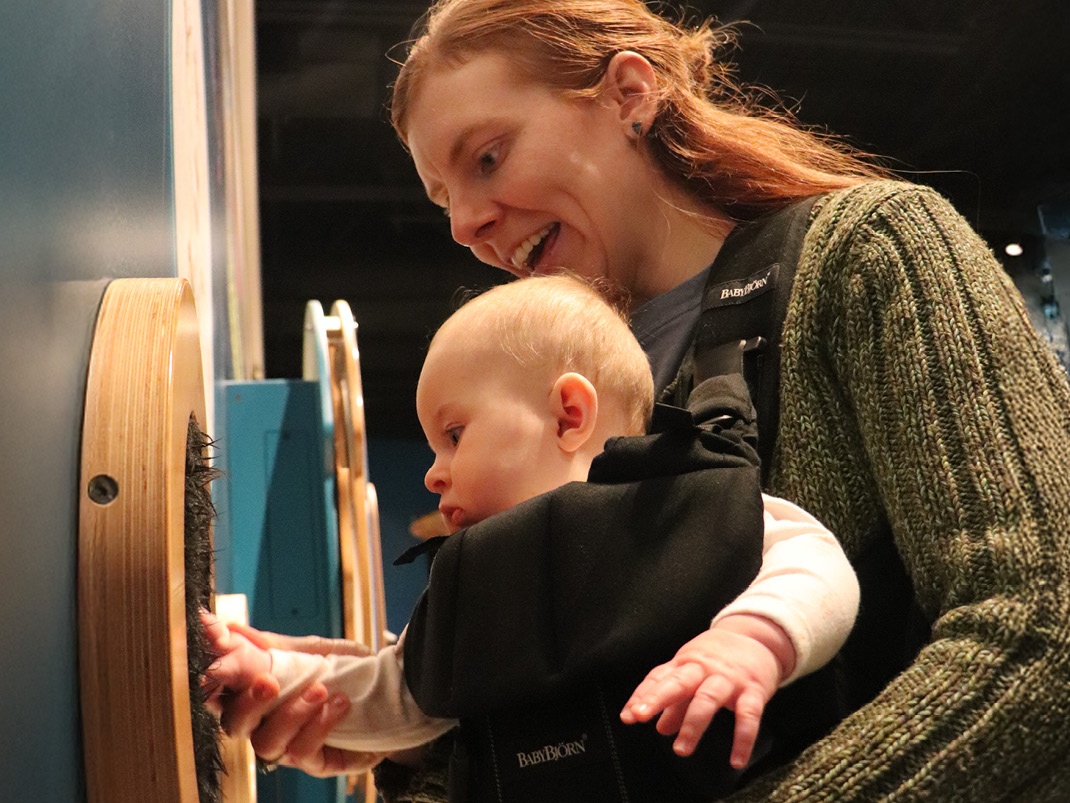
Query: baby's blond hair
{"type": "Point", "coordinates": [561, 323]}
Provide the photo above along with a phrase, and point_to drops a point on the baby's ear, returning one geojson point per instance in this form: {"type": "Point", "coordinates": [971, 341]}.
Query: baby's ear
{"type": "Point", "coordinates": [574, 403]}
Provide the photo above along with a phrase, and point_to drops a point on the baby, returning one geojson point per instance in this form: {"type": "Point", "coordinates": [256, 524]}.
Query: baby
{"type": "Point", "coordinates": [519, 394]}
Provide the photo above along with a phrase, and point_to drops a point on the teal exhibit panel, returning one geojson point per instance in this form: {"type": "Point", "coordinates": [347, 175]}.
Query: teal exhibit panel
{"type": "Point", "coordinates": [276, 535]}
{"type": "Point", "coordinates": [281, 544]}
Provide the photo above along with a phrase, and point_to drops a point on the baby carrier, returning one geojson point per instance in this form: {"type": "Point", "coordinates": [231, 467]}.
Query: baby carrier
{"type": "Point", "coordinates": [538, 663]}
{"type": "Point", "coordinates": [537, 623]}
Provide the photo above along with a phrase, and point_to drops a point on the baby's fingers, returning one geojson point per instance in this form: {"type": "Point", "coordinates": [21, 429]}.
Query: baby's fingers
{"type": "Point", "coordinates": [665, 685]}
{"type": "Point", "coordinates": [216, 631]}
{"type": "Point", "coordinates": [672, 717]}
{"type": "Point", "coordinates": [711, 696]}
{"type": "Point", "coordinates": [629, 714]}
{"type": "Point", "coordinates": [748, 710]}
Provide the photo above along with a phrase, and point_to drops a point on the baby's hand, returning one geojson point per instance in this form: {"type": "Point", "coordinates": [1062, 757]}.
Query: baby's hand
{"type": "Point", "coordinates": [738, 664]}
{"type": "Point", "coordinates": [240, 662]}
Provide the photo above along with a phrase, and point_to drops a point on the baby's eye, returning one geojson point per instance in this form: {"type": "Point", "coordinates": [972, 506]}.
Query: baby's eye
{"type": "Point", "coordinates": [454, 434]}
{"type": "Point", "coordinates": [488, 160]}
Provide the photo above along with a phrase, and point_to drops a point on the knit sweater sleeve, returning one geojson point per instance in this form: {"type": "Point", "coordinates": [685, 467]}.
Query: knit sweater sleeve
{"type": "Point", "coordinates": [916, 394]}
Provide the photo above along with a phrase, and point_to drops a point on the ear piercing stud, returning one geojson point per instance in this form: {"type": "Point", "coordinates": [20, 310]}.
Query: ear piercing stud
{"type": "Point", "coordinates": [637, 128]}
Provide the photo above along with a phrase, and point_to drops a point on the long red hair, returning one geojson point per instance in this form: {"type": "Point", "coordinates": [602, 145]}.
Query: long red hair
{"type": "Point", "coordinates": [711, 136]}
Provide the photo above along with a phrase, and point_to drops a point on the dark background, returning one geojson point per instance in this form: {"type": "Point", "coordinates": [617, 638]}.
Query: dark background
{"type": "Point", "coordinates": [970, 96]}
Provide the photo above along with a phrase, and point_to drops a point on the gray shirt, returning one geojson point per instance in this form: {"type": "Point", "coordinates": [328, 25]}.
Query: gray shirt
{"type": "Point", "coordinates": [664, 326]}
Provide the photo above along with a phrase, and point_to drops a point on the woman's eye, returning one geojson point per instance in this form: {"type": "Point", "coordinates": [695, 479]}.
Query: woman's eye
{"type": "Point", "coordinates": [454, 434]}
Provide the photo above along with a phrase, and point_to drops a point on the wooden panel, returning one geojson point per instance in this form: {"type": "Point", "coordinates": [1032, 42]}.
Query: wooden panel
{"type": "Point", "coordinates": [144, 383]}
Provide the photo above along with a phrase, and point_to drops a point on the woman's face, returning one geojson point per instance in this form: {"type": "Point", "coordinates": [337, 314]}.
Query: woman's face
{"type": "Point", "coordinates": [533, 182]}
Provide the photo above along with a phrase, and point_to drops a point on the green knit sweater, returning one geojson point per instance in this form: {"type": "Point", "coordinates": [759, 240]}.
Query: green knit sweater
{"type": "Point", "coordinates": [914, 392]}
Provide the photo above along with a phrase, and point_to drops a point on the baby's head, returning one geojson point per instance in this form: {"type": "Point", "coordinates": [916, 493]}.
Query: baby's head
{"type": "Point", "coordinates": [520, 390]}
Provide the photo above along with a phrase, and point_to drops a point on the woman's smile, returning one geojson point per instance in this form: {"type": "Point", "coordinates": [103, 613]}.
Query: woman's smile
{"type": "Point", "coordinates": [528, 254]}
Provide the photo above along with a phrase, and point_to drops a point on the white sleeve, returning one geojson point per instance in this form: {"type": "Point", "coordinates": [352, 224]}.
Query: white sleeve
{"type": "Point", "coordinates": [382, 715]}
{"type": "Point", "coordinates": [805, 585]}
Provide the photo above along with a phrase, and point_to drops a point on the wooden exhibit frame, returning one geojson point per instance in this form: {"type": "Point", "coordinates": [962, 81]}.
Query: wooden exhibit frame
{"type": "Point", "coordinates": [144, 383]}
{"type": "Point", "coordinates": [331, 357]}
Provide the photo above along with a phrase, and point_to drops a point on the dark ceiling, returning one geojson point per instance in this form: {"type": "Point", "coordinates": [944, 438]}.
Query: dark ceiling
{"type": "Point", "coordinates": [971, 96]}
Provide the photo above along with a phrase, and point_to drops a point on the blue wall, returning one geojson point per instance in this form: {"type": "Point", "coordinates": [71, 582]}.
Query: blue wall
{"type": "Point", "coordinates": [85, 195]}
{"type": "Point", "coordinates": [397, 469]}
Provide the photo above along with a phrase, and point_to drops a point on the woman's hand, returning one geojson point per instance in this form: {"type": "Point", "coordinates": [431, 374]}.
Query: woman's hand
{"type": "Point", "coordinates": [245, 698]}
{"type": "Point", "coordinates": [290, 733]}
{"type": "Point", "coordinates": [737, 664]}
{"type": "Point", "coordinates": [293, 734]}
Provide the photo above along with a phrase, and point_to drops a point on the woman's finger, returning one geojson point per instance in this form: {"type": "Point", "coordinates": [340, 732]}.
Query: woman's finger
{"type": "Point", "coordinates": [336, 761]}
{"type": "Point", "coordinates": [307, 752]}
{"type": "Point", "coordinates": [261, 638]}
{"type": "Point", "coordinates": [243, 713]}
{"type": "Point", "coordinates": [306, 747]}
{"type": "Point", "coordinates": [272, 737]}
{"type": "Point", "coordinates": [317, 645]}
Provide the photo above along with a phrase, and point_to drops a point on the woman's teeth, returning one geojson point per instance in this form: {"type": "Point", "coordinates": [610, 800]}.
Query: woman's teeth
{"type": "Point", "coordinates": [523, 251]}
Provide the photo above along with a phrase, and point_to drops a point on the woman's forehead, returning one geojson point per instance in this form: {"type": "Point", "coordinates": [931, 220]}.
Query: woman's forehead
{"type": "Point", "coordinates": [461, 95]}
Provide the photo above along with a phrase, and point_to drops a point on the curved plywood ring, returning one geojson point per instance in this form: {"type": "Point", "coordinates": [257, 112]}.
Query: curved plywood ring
{"type": "Point", "coordinates": [332, 359]}
{"type": "Point", "coordinates": [315, 367]}
{"type": "Point", "coordinates": [372, 508]}
{"type": "Point", "coordinates": [144, 383]}
{"type": "Point", "coordinates": [351, 460]}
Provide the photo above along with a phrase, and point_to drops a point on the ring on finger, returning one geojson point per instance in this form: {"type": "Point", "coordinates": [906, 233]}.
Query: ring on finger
{"type": "Point", "coordinates": [264, 766]}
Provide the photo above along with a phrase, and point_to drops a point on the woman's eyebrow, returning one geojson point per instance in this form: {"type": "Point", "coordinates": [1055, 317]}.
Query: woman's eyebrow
{"type": "Point", "coordinates": [461, 140]}
{"type": "Point", "coordinates": [434, 189]}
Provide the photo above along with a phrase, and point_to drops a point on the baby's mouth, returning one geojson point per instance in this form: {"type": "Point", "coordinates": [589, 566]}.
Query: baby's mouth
{"type": "Point", "coordinates": [527, 254]}
{"type": "Point", "coordinates": [453, 517]}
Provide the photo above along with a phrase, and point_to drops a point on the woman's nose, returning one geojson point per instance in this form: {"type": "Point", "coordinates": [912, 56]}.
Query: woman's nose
{"type": "Point", "coordinates": [472, 219]}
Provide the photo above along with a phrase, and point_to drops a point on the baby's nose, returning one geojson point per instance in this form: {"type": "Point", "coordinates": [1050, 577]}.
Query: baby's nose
{"type": "Point", "coordinates": [435, 479]}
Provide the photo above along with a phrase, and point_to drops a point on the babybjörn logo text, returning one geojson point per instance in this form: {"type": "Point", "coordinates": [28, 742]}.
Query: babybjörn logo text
{"type": "Point", "coordinates": [553, 752]}
{"type": "Point", "coordinates": [745, 290]}
{"type": "Point", "coordinates": [742, 290]}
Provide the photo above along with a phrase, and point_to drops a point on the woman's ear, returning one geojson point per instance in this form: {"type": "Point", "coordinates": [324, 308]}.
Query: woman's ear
{"type": "Point", "coordinates": [574, 403]}
{"type": "Point", "coordinates": [631, 85]}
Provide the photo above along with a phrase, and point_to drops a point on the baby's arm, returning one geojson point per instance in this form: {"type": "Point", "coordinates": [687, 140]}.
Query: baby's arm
{"type": "Point", "coordinates": [382, 716]}
{"type": "Point", "coordinates": [790, 621]}
{"type": "Point", "coordinates": [806, 586]}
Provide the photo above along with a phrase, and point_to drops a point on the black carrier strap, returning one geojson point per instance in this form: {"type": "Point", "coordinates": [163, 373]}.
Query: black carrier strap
{"type": "Point", "coordinates": [742, 314]}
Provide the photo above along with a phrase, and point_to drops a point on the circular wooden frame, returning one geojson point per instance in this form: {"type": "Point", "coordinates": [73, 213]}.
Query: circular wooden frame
{"type": "Point", "coordinates": [331, 357]}
{"type": "Point", "coordinates": [144, 383]}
